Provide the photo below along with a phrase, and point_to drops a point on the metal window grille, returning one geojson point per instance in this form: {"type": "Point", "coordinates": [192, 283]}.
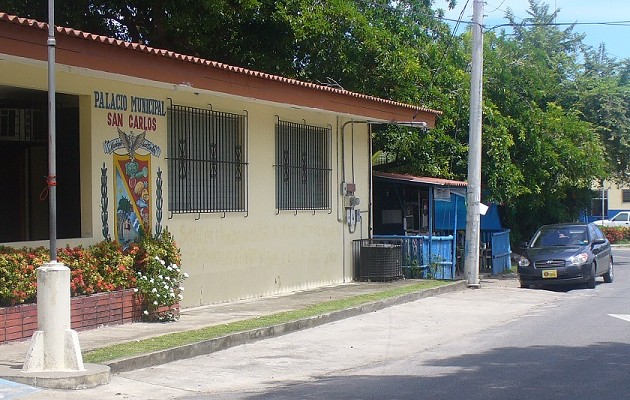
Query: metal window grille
{"type": "Point", "coordinates": [625, 195]}
{"type": "Point", "coordinates": [207, 161]}
{"type": "Point", "coordinates": [302, 167]}
{"type": "Point", "coordinates": [23, 125]}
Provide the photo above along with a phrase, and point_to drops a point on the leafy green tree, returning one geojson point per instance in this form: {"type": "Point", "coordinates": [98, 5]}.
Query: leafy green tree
{"type": "Point", "coordinates": [540, 155]}
{"type": "Point", "coordinates": [246, 33]}
{"type": "Point", "coordinates": [555, 111]}
{"type": "Point", "coordinates": [603, 97]}
{"type": "Point", "coordinates": [125, 205]}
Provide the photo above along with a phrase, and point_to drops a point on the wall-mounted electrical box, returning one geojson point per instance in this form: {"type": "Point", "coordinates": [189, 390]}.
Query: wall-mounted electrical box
{"type": "Point", "coordinates": [348, 189]}
{"type": "Point", "coordinates": [351, 201]}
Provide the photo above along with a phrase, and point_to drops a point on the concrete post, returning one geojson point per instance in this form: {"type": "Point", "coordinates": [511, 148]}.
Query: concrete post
{"type": "Point", "coordinates": [473, 195]}
{"type": "Point", "coordinates": [54, 346]}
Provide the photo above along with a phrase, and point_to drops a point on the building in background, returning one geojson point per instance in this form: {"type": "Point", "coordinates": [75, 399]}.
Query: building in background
{"type": "Point", "coordinates": [609, 200]}
{"type": "Point", "coordinates": [257, 176]}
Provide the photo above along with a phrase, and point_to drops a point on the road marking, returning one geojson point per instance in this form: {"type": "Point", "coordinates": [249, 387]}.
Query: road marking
{"type": "Point", "coordinates": [625, 317]}
{"type": "Point", "coordinates": [12, 390]}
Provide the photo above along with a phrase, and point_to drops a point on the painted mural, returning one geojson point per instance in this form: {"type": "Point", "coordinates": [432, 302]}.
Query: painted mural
{"type": "Point", "coordinates": [132, 170]}
{"type": "Point", "coordinates": [132, 193]}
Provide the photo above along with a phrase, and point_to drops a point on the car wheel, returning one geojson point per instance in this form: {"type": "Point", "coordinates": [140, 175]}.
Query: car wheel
{"type": "Point", "coordinates": [590, 284]}
{"type": "Point", "coordinates": [524, 285]}
{"type": "Point", "coordinates": [609, 275]}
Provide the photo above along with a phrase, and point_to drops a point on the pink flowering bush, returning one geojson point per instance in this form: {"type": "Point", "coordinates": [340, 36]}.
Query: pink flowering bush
{"type": "Point", "coordinates": [616, 234]}
{"type": "Point", "coordinates": [18, 278]}
{"type": "Point", "coordinates": [152, 266]}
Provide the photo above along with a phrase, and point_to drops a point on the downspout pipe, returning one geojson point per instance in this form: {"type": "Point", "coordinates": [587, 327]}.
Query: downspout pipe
{"type": "Point", "coordinates": [420, 124]}
{"type": "Point", "coordinates": [343, 159]}
{"type": "Point", "coordinates": [343, 178]}
{"type": "Point", "coordinates": [343, 169]}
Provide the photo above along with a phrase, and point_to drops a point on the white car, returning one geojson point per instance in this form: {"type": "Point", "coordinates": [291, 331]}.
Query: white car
{"type": "Point", "coordinates": [621, 219]}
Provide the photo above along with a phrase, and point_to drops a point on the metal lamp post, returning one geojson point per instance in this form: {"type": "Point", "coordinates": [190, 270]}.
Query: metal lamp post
{"type": "Point", "coordinates": [54, 346]}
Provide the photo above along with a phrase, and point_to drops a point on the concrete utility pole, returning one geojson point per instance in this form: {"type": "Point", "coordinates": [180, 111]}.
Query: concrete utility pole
{"type": "Point", "coordinates": [471, 265]}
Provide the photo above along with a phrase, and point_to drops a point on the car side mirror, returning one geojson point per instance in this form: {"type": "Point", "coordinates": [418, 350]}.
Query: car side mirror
{"type": "Point", "coordinates": [524, 245]}
{"type": "Point", "coordinates": [599, 241]}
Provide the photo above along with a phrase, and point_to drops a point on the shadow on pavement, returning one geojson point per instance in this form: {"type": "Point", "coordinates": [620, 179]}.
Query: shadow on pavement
{"type": "Point", "coordinates": [538, 372]}
{"type": "Point", "coordinates": [564, 288]}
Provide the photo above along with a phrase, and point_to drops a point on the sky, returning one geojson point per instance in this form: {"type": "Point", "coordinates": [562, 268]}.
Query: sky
{"type": "Point", "coordinates": [616, 38]}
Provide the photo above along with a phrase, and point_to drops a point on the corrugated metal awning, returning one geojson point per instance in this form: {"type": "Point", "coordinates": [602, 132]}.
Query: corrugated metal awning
{"type": "Point", "coordinates": [419, 179]}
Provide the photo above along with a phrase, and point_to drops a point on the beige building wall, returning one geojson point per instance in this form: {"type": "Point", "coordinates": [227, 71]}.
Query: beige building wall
{"type": "Point", "coordinates": [615, 199]}
{"type": "Point", "coordinates": [236, 255]}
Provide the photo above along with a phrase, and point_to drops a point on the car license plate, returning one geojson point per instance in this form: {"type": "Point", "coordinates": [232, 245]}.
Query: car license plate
{"type": "Point", "coordinates": [549, 273]}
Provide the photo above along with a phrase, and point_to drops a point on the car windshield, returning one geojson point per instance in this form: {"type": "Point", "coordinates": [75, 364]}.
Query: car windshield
{"type": "Point", "coordinates": [560, 236]}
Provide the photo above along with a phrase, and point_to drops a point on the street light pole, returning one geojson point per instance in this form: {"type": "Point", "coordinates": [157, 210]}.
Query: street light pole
{"type": "Point", "coordinates": [473, 195]}
{"type": "Point", "coordinates": [54, 345]}
{"type": "Point", "coordinates": [51, 180]}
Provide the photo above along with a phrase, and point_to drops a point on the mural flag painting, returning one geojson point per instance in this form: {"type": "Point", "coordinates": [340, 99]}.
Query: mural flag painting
{"type": "Point", "coordinates": [132, 170]}
{"type": "Point", "coordinates": [132, 193]}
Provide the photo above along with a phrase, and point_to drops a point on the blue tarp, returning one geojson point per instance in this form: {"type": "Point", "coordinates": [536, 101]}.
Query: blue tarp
{"type": "Point", "coordinates": [491, 221]}
{"type": "Point", "coordinates": [445, 212]}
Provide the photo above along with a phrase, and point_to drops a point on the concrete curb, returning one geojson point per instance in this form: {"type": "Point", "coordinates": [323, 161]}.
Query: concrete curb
{"type": "Point", "coordinates": [239, 338]}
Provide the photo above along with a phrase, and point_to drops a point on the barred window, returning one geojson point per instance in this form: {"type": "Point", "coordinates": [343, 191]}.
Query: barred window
{"type": "Point", "coordinates": [625, 195]}
{"type": "Point", "coordinates": [302, 167]}
{"type": "Point", "coordinates": [26, 125]}
{"type": "Point", "coordinates": [207, 161]}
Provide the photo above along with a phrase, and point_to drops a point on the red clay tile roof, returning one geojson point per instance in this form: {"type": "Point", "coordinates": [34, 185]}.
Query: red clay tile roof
{"type": "Point", "coordinates": [197, 60]}
{"type": "Point", "coordinates": [419, 179]}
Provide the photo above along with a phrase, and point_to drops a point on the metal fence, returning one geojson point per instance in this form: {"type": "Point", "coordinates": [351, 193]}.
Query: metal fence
{"type": "Point", "coordinates": [427, 257]}
{"type": "Point", "coordinates": [501, 251]}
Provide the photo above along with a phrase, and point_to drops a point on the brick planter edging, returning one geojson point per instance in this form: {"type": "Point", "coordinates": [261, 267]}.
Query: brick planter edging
{"type": "Point", "coordinates": [86, 312]}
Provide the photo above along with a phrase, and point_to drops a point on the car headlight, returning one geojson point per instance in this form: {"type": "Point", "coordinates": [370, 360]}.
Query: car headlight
{"type": "Point", "coordinates": [523, 262]}
{"type": "Point", "coordinates": [578, 259]}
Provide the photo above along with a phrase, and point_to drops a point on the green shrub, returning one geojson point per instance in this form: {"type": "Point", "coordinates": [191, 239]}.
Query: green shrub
{"type": "Point", "coordinates": [153, 266]}
{"type": "Point", "coordinates": [84, 274]}
{"type": "Point", "coordinates": [18, 277]}
{"type": "Point", "coordinates": [114, 265]}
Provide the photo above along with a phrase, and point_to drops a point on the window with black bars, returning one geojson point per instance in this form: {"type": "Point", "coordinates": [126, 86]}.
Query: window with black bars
{"type": "Point", "coordinates": [625, 195]}
{"type": "Point", "coordinates": [207, 161]}
{"type": "Point", "coordinates": [302, 167]}
{"type": "Point", "coordinates": [28, 125]}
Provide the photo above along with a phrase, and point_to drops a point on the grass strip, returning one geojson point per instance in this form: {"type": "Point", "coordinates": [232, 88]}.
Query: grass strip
{"type": "Point", "coordinates": [172, 340]}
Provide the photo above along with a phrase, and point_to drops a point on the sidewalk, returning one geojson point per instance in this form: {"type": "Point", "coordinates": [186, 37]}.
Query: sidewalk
{"type": "Point", "coordinates": [12, 355]}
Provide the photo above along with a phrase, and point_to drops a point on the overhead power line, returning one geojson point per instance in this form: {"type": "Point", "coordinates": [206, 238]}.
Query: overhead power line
{"type": "Point", "coordinates": [609, 23]}
{"type": "Point", "coordinates": [602, 23]}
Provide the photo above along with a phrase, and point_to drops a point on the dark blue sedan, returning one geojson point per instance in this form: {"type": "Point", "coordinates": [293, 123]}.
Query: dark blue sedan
{"type": "Point", "coordinates": [574, 253]}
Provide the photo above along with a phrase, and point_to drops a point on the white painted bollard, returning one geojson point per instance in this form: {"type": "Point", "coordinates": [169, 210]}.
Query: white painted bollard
{"type": "Point", "coordinates": [54, 346]}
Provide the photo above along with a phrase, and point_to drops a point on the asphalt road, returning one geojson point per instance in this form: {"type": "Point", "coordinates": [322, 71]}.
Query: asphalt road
{"type": "Point", "coordinates": [576, 347]}
{"type": "Point", "coordinates": [497, 342]}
